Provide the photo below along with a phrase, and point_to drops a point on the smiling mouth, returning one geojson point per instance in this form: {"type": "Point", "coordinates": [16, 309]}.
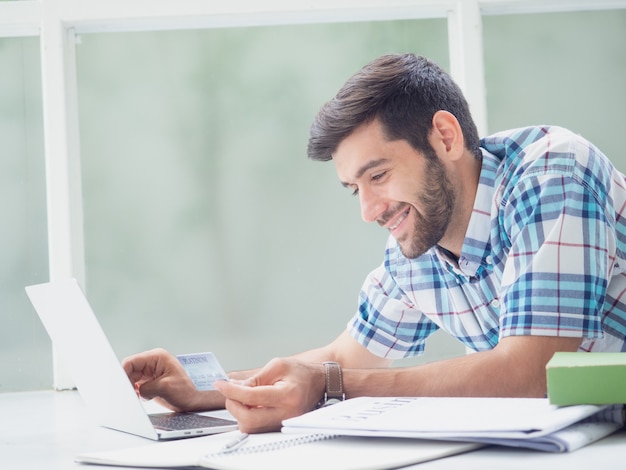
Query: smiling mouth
{"type": "Point", "coordinates": [403, 216]}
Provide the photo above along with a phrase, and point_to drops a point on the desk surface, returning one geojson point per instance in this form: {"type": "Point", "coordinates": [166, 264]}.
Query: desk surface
{"type": "Point", "coordinates": [45, 430]}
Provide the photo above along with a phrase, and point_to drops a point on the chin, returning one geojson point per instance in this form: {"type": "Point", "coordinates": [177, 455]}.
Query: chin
{"type": "Point", "coordinates": [410, 253]}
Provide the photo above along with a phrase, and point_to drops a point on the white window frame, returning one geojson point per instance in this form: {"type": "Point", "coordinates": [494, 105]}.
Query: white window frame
{"type": "Point", "coordinates": [58, 23]}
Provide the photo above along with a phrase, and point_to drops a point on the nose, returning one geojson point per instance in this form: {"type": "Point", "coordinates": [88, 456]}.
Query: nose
{"type": "Point", "coordinates": [371, 205]}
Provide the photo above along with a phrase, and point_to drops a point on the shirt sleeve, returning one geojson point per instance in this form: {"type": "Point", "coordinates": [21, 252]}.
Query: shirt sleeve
{"type": "Point", "coordinates": [555, 278]}
{"type": "Point", "coordinates": [387, 323]}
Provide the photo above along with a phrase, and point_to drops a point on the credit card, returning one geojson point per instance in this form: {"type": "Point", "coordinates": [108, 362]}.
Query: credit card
{"type": "Point", "coordinates": [203, 369]}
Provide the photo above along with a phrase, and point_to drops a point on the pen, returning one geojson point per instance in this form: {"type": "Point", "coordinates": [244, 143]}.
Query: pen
{"type": "Point", "coordinates": [234, 444]}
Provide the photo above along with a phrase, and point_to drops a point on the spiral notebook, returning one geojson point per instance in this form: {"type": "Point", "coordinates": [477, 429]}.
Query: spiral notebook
{"type": "Point", "coordinates": [280, 451]}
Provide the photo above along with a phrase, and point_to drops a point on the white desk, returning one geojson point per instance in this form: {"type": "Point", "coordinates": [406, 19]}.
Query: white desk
{"type": "Point", "coordinates": [45, 430]}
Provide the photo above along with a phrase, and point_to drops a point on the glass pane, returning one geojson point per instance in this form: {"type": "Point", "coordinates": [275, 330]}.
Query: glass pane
{"type": "Point", "coordinates": [25, 350]}
{"type": "Point", "coordinates": [206, 226]}
{"type": "Point", "coordinates": [566, 69]}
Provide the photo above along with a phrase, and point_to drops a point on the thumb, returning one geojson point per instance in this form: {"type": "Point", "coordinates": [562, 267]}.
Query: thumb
{"type": "Point", "coordinates": [248, 382]}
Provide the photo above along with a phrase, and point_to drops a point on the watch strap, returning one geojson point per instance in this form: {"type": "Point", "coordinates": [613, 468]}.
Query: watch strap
{"type": "Point", "coordinates": [334, 382]}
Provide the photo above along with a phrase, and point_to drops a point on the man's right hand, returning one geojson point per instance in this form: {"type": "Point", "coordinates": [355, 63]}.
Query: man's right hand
{"type": "Point", "coordinates": [158, 375]}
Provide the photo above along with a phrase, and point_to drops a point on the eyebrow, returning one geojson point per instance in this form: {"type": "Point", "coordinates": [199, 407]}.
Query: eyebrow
{"type": "Point", "coordinates": [368, 166]}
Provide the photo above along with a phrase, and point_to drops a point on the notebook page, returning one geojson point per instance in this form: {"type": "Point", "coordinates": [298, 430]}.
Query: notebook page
{"type": "Point", "coordinates": [341, 453]}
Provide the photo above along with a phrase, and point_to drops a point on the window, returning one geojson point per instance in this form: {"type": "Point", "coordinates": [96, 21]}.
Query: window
{"type": "Point", "coordinates": [25, 349]}
{"type": "Point", "coordinates": [178, 189]}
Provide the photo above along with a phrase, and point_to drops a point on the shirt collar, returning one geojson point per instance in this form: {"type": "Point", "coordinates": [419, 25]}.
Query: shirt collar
{"type": "Point", "coordinates": [476, 246]}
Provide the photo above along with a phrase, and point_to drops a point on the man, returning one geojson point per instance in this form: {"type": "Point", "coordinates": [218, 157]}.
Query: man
{"type": "Point", "coordinates": [514, 244]}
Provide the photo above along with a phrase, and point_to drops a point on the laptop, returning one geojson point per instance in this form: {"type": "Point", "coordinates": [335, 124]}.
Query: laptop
{"type": "Point", "coordinates": [98, 374]}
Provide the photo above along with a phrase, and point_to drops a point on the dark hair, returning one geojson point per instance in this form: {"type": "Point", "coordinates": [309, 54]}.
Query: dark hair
{"type": "Point", "coordinates": [404, 91]}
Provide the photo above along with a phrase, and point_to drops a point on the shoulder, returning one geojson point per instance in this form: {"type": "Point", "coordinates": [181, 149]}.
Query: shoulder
{"type": "Point", "coordinates": [516, 140]}
{"type": "Point", "coordinates": [549, 151]}
{"type": "Point", "coordinates": [538, 143]}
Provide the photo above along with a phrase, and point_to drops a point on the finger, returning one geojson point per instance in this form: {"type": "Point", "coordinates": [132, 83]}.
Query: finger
{"type": "Point", "coordinates": [150, 365]}
{"type": "Point", "coordinates": [244, 382]}
{"type": "Point", "coordinates": [147, 389]}
{"type": "Point", "coordinates": [254, 419]}
{"type": "Point", "coordinates": [132, 367]}
{"type": "Point", "coordinates": [140, 365]}
{"type": "Point", "coordinates": [263, 395]}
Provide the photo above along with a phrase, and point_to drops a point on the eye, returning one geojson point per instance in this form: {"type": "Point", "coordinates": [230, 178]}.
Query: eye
{"type": "Point", "coordinates": [378, 176]}
{"type": "Point", "coordinates": [353, 187]}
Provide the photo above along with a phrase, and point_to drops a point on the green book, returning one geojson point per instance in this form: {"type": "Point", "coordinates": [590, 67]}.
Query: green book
{"type": "Point", "coordinates": [586, 378]}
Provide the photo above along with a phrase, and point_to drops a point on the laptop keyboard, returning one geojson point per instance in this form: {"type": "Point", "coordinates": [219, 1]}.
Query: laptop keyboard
{"type": "Point", "coordinates": [181, 421]}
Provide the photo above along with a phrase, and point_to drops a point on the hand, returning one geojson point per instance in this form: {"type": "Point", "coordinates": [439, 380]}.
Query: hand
{"type": "Point", "coordinates": [282, 389]}
{"type": "Point", "coordinates": [158, 375]}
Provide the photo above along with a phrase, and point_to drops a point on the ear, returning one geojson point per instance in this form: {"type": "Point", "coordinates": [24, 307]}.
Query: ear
{"type": "Point", "coordinates": [446, 136]}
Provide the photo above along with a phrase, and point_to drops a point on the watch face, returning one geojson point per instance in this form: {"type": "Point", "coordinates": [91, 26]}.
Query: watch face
{"type": "Point", "coordinates": [332, 401]}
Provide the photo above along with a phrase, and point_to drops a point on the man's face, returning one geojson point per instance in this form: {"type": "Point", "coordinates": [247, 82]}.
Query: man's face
{"type": "Point", "coordinates": [398, 187]}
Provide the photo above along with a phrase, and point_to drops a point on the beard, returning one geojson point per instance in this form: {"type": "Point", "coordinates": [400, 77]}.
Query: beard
{"type": "Point", "coordinates": [436, 200]}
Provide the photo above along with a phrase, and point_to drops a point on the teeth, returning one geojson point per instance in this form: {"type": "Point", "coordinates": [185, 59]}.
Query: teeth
{"type": "Point", "coordinates": [394, 226]}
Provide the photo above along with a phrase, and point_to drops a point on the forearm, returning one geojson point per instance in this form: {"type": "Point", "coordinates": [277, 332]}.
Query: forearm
{"type": "Point", "coordinates": [463, 376]}
{"type": "Point", "coordinates": [515, 368]}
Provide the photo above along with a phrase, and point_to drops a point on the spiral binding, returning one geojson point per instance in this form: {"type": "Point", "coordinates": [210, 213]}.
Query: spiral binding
{"type": "Point", "coordinates": [271, 446]}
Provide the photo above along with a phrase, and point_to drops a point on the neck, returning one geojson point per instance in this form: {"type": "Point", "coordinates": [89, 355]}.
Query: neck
{"type": "Point", "coordinates": [466, 175]}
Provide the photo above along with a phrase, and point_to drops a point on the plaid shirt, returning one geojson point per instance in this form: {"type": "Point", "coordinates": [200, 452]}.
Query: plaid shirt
{"type": "Point", "coordinates": [544, 254]}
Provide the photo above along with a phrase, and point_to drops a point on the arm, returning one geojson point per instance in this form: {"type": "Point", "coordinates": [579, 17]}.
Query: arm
{"type": "Point", "coordinates": [289, 387]}
{"type": "Point", "coordinates": [514, 368]}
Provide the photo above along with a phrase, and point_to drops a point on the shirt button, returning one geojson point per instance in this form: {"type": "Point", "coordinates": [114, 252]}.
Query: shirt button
{"type": "Point", "coordinates": [489, 260]}
{"type": "Point", "coordinates": [495, 303]}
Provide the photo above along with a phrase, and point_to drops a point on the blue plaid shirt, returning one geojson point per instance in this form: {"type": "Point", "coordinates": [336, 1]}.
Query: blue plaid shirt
{"type": "Point", "coordinates": [544, 254]}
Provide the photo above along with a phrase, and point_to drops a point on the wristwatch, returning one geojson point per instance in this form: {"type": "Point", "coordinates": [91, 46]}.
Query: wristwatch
{"type": "Point", "coordinates": [334, 385]}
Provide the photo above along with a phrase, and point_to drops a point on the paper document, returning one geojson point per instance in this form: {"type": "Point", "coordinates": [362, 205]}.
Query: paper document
{"type": "Point", "coordinates": [524, 422]}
